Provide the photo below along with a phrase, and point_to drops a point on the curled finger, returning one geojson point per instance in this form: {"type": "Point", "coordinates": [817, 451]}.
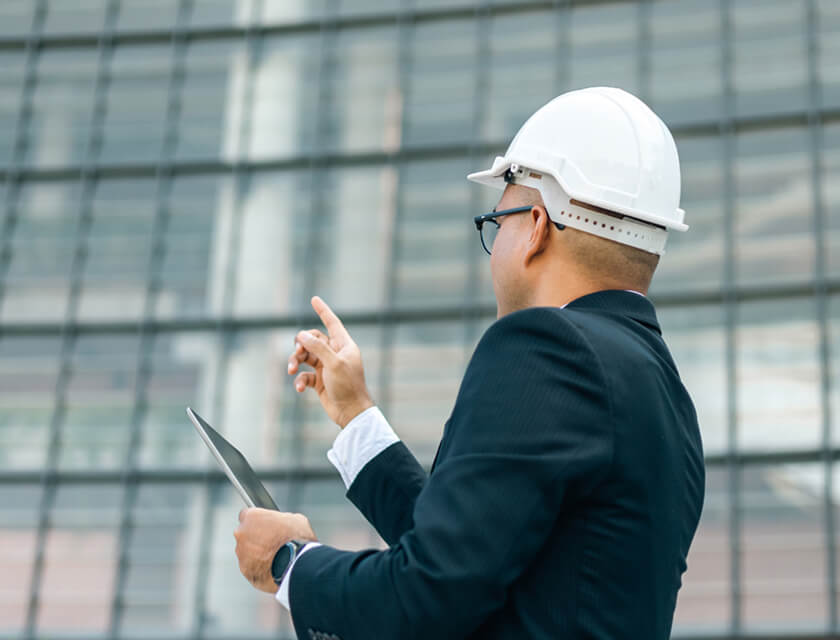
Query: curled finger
{"type": "Point", "coordinates": [305, 379]}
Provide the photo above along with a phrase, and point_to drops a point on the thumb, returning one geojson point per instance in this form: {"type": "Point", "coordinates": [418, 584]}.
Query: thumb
{"type": "Point", "coordinates": [319, 347]}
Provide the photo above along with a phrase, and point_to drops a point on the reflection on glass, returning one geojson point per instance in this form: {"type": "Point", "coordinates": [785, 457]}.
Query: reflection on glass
{"type": "Point", "coordinates": [42, 245]}
{"type": "Point", "coordinates": [693, 260]}
{"type": "Point", "coordinates": [16, 17]}
{"type": "Point", "coordinates": [211, 100]}
{"type": "Point", "coordinates": [161, 559]}
{"type": "Point", "coordinates": [364, 111]}
{"type": "Point", "coordinates": [136, 113]}
{"type": "Point", "coordinates": [353, 237]}
{"type": "Point", "coordinates": [62, 106]}
{"type": "Point", "coordinates": [183, 370]}
{"type": "Point", "coordinates": [783, 557]}
{"type": "Point", "coordinates": [831, 196]}
{"type": "Point", "coordinates": [604, 46]}
{"type": "Point", "coordinates": [428, 363]}
{"type": "Point", "coordinates": [686, 83]}
{"type": "Point", "coordinates": [274, 215]}
{"type": "Point", "coordinates": [80, 559]}
{"type": "Point", "coordinates": [777, 376]}
{"type": "Point", "coordinates": [703, 602]}
{"type": "Point", "coordinates": [435, 233]}
{"type": "Point", "coordinates": [440, 104]}
{"type": "Point", "coordinates": [18, 527]}
{"type": "Point", "coordinates": [193, 270]}
{"type": "Point", "coordinates": [119, 244]}
{"type": "Point", "coordinates": [523, 69]}
{"type": "Point", "coordinates": [100, 403]}
{"type": "Point", "coordinates": [828, 51]}
{"type": "Point", "coordinates": [770, 65]}
{"type": "Point", "coordinates": [29, 369]}
{"type": "Point", "coordinates": [135, 15]}
{"type": "Point", "coordinates": [11, 90]}
{"type": "Point", "coordinates": [695, 337]}
{"type": "Point", "coordinates": [81, 16]}
{"type": "Point", "coordinates": [774, 221]}
{"type": "Point", "coordinates": [834, 368]}
{"type": "Point", "coordinates": [283, 116]}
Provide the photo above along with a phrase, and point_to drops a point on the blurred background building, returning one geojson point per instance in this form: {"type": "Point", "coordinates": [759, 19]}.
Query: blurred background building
{"type": "Point", "coordinates": [178, 177]}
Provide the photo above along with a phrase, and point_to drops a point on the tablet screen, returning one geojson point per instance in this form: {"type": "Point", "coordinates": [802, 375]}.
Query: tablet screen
{"type": "Point", "coordinates": [234, 464]}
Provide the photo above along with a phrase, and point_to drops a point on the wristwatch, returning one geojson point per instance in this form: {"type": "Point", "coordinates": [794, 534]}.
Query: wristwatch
{"type": "Point", "coordinates": [283, 560]}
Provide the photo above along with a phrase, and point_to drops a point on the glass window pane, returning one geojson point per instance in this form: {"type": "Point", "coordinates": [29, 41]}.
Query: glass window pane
{"type": "Point", "coordinates": [353, 234]}
{"type": "Point", "coordinates": [160, 565]}
{"type": "Point", "coordinates": [435, 233]}
{"type": "Point", "coordinates": [523, 68]}
{"type": "Point", "coordinates": [183, 371]}
{"type": "Point", "coordinates": [221, 13]}
{"type": "Point", "coordinates": [119, 247]}
{"type": "Point", "coordinates": [363, 112]}
{"type": "Point", "coordinates": [770, 70]}
{"type": "Point", "coordinates": [100, 403]}
{"type": "Point", "coordinates": [783, 557]}
{"type": "Point", "coordinates": [283, 11]}
{"type": "Point", "coordinates": [79, 16]}
{"type": "Point", "coordinates": [136, 112]}
{"type": "Point", "coordinates": [834, 370]}
{"type": "Point", "coordinates": [777, 376]}
{"type": "Point", "coordinates": [335, 519]}
{"type": "Point", "coordinates": [366, 7]}
{"type": "Point", "coordinates": [16, 17]}
{"type": "Point", "coordinates": [283, 116]}
{"type": "Point", "coordinates": [208, 127]}
{"type": "Point", "coordinates": [80, 558]}
{"type": "Point", "coordinates": [695, 336]}
{"type": "Point", "coordinates": [686, 79]}
{"type": "Point", "coordinates": [604, 46]}
{"type": "Point", "coordinates": [774, 221]}
{"type": "Point", "coordinates": [29, 369]}
{"type": "Point", "coordinates": [43, 244]}
{"type": "Point", "coordinates": [440, 105]}
{"type": "Point", "coordinates": [135, 15]}
{"type": "Point", "coordinates": [694, 260]}
{"type": "Point", "coordinates": [18, 530]}
{"type": "Point", "coordinates": [830, 184]}
{"type": "Point", "coordinates": [828, 51]}
{"type": "Point", "coordinates": [12, 67]}
{"type": "Point", "coordinates": [704, 601]}
{"type": "Point", "coordinates": [428, 362]}
{"type": "Point", "coordinates": [62, 107]}
{"type": "Point", "coordinates": [194, 266]}
{"type": "Point", "coordinates": [274, 216]}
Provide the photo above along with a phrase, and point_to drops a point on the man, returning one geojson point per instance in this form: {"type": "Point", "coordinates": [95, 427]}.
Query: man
{"type": "Point", "coordinates": [569, 480]}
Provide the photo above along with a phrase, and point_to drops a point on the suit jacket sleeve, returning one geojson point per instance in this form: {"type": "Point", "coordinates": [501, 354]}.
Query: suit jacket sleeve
{"type": "Point", "coordinates": [531, 430]}
{"type": "Point", "coordinates": [386, 489]}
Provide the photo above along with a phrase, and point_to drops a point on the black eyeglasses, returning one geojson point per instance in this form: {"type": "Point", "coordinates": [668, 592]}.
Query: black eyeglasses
{"type": "Point", "coordinates": [488, 232]}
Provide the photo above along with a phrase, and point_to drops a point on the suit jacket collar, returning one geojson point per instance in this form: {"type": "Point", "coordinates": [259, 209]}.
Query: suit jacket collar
{"type": "Point", "coordinates": [625, 303]}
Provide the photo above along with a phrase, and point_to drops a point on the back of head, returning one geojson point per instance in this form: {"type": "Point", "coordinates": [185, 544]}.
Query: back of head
{"type": "Point", "coordinates": [605, 165]}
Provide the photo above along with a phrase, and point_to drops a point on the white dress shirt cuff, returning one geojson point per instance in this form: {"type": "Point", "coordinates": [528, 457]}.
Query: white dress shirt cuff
{"type": "Point", "coordinates": [365, 437]}
{"type": "Point", "coordinates": [282, 595]}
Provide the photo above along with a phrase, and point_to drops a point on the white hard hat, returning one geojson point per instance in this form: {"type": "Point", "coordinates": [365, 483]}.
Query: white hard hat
{"type": "Point", "coordinates": [603, 162]}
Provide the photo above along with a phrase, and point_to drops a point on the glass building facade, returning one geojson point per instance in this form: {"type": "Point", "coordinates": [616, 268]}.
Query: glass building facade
{"type": "Point", "coordinates": [178, 177]}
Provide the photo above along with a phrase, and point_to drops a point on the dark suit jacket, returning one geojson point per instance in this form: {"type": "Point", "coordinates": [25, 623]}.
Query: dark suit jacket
{"type": "Point", "coordinates": [561, 504]}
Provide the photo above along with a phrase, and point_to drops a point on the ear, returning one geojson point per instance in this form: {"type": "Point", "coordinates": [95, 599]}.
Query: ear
{"type": "Point", "coordinates": [538, 239]}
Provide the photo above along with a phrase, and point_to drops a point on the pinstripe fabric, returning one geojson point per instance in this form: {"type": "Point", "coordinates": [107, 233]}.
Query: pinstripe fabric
{"type": "Point", "coordinates": [562, 502]}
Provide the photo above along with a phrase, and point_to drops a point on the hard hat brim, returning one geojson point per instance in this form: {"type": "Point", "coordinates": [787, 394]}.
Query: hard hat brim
{"type": "Point", "coordinates": [494, 177]}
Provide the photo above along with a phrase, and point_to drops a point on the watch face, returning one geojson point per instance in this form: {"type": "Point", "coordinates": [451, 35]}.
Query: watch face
{"type": "Point", "coordinates": [281, 560]}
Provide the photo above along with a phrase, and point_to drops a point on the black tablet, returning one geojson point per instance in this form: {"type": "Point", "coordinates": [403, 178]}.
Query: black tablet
{"type": "Point", "coordinates": [235, 465]}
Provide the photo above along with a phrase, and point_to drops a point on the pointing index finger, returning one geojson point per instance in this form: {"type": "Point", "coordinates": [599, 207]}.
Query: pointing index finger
{"type": "Point", "coordinates": [331, 322]}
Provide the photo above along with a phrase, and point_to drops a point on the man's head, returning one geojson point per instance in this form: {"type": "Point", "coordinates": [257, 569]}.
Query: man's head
{"type": "Point", "coordinates": [533, 263]}
{"type": "Point", "coordinates": [606, 168]}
